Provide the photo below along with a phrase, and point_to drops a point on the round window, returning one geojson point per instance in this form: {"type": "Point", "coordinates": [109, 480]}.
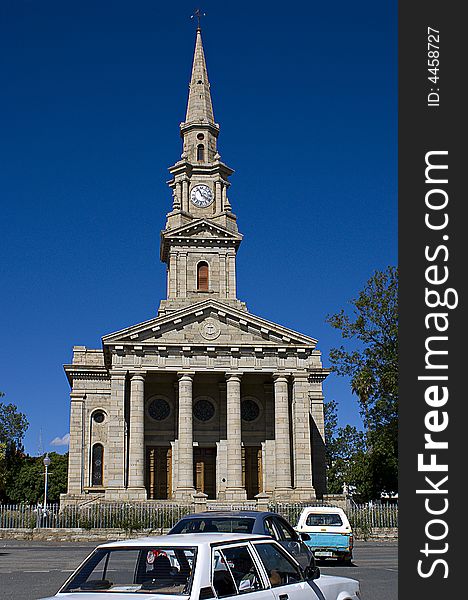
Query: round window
{"type": "Point", "coordinates": [98, 416]}
{"type": "Point", "coordinates": [200, 136]}
{"type": "Point", "coordinates": [159, 409]}
{"type": "Point", "coordinates": [249, 410]}
{"type": "Point", "coordinates": [204, 410]}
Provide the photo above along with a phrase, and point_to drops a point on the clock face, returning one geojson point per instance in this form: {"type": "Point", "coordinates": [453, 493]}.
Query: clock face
{"type": "Point", "coordinates": [201, 196]}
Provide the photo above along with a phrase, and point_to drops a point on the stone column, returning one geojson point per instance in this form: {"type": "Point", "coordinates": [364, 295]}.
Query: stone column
{"type": "Point", "coordinates": [185, 489]}
{"type": "Point", "coordinates": [114, 452]}
{"type": "Point", "coordinates": [75, 456]}
{"type": "Point", "coordinates": [136, 449]}
{"type": "Point", "coordinates": [183, 274]}
{"type": "Point", "coordinates": [318, 436]}
{"type": "Point", "coordinates": [172, 280]}
{"type": "Point", "coordinates": [282, 441]}
{"type": "Point", "coordinates": [222, 273]}
{"type": "Point", "coordinates": [303, 488]}
{"type": "Point", "coordinates": [234, 488]}
{"type": "Point", "coordinates": [185, 195]}
{"type": "Point", "coordinates": [231, 273]}
{"type": "Point", "coordinates": [218, 199]}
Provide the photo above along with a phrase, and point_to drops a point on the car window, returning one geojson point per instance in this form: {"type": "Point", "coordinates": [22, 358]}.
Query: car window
{"type": "Point", "coordinates": [223, 581]}
{"type": "Point", "coordinates": [214, 525]}
{"type": "Point", "coordinates": [144, 569]}
{"type": "Point", "coordinates": [324, 519]}
{"type": "Point", "coordinates": [270, 528]}
{"type": "Point", "coordinates": [280, 569]}
{"type": "Point", "coordinates": [234, 572]}
{"type": "Point", "coordinates": [286, 532]}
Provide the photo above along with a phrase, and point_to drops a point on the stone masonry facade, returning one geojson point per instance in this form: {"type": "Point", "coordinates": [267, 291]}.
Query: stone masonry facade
{"type": "Point", "coordinates": [205, 397]}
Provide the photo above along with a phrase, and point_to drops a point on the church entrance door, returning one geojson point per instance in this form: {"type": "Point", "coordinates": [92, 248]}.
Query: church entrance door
{"type": "Point", "coordinates": [204, 471]}
{"type": "Point", "coordinates": [252, 470]}
{"type": "Point", "coordinates": [159, 472]}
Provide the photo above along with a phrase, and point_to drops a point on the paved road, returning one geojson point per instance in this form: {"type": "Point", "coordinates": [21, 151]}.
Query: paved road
{"type": "Point", "coordinates": [375, 566]}
{"type": "Point", "coordinates": [31, 570]}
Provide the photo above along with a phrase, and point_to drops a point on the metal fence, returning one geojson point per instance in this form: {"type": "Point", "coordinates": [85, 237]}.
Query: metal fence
{"type": "Point", "coordinates": [361, 516]}
{"type": "Point", "coordinates": [158, 516]}
{"type": "Point", "coordinates": [370, 517]}
{"type": "Point", "coordinates": [130, 517]}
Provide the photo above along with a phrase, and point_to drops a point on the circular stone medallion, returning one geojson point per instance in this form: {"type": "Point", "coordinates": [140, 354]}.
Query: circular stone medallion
{"type": "Point", "coordinates": [203, 410]}
{"type": "Point", "coordinates": [159, 409]}
{"type": "Point", "coordinates": [249, 410]}
{"type": "Point", "coordinates": [210, 329]}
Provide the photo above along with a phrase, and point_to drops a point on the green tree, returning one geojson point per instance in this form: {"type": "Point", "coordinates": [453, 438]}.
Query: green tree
{"type": "Point", "coordinates": [13, 426]}
{"type": "Point", "coordinates": [345, 455]}
{"type": "Point", "coordinates": [373, 369]}
{"type": "Point", "coordinates": [25, 483]}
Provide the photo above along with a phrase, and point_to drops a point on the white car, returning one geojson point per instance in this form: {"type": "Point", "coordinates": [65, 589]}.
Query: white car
{"type": "Point", "coordinates": [329, 531]}
{"type": "Point", "coordinates": [201, 567]}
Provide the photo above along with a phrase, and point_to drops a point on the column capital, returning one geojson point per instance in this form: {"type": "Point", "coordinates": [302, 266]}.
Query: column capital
{"type": "Point", "coordinates": [77, 396]}
{"type": "Point", "coordinates": [186, 375]}
{"type": "Point", "coordinates": [304, 375]}
{"type": "Point", "coordinates": [282, 377]}
{"type": "Point", "coordinates": [232, 376]}
{"type": "Point", "coordinates": [138, 376]}
{"type": "Point", "coordinates": [118, 374]}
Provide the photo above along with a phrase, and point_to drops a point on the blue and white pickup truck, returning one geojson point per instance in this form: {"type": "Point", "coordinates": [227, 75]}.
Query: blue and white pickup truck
{"type": "Point", "coordinates": [329, 531]}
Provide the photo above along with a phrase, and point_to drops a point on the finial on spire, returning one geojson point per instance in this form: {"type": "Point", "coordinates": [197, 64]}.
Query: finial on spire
{"type": "Point", "coordinates": [198, 14]}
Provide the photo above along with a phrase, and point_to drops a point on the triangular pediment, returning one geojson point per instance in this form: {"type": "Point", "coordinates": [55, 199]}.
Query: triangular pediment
{"type": "Point", "coordinates": [201, 228]}
{"type": "Point", "coordinates": [209, 323]}
{"type": "Point", "coordinates": [198, 231]}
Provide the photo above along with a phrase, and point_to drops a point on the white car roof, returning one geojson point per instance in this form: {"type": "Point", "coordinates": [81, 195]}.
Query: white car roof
{"type": "Point", "coordinates": [323, 509]}
{"type": "Point", "coordinates": [184, 540]}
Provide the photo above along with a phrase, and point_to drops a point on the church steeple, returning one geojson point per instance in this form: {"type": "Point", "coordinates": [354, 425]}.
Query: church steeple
{"type": "Point", "coordinates": [200, 179]}
{"type": "Point", "coordinates": [199, 106]}
{"type": "Point", "coordinates": [201, 239]}
{"type": "Point", "coordinates": [199, 130]}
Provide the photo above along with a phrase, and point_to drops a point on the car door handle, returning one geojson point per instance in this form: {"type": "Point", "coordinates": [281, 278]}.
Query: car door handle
{"type": "Point", "coordinates": [283, 597]}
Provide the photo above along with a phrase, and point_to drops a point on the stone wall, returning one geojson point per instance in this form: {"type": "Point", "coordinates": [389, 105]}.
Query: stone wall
{"type": "Point", "coordinates": [102, 535]}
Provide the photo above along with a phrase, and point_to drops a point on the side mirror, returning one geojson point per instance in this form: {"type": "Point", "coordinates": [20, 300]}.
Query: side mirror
{"type": "Point", "coordinates": [305, 537]}
{"type": "Point", "coordinates": [312, 572]}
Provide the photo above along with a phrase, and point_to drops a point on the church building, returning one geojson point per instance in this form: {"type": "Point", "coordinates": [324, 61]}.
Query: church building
{"type": "Point", "coordinates": [204, 397]}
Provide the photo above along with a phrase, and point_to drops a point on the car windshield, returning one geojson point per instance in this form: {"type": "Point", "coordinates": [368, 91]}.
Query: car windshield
{"type": "Point", "coordinates": [149, 569]}
{"type": "Point", "coordinates": [327, 519]}
{"type": "Point", "coordinates": [215, 525]}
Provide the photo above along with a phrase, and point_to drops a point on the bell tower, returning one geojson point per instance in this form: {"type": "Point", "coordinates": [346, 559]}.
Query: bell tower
{"type": "Point", "coordinates": [200, 241]}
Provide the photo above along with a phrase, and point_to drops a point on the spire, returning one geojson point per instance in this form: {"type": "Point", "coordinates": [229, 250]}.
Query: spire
{"type": "Point", "coordinates": [199, 107]}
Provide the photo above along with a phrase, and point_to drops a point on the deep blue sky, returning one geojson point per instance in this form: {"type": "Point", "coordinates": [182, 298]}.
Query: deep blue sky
{"type": "Point", "coordinates": [92, 95]}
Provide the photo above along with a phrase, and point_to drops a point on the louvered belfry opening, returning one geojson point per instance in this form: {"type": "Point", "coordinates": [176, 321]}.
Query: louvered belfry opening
{"type": "Point", "coordinates": [201, 153]}
{"type": "Point", "coordinates": [202, 277]}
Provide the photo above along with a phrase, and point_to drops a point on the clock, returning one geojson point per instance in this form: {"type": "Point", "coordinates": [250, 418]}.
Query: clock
{"type": "Point", "coordinates": [201, 196]}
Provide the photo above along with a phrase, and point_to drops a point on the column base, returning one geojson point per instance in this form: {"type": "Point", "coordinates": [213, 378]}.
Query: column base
{"type": "Point", "coordinates": [115, 494]}
{"type": "Point", "coordinates": [235, 494]}
{"type": "Point", "coordinates": [183, 494]}
{"type": "Point", "coordinates": [304, 494]}
{"type": "Point", "coordinates": [283, 493]}
{"type": "Point", "coordinates": [137, 493]}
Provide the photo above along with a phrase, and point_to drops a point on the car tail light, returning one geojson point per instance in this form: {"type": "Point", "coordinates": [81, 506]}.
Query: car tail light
{"type": "Point", "coordinates": [351, 541]}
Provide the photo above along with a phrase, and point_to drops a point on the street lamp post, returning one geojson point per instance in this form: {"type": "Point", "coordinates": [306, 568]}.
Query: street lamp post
{"type": "Point", "coordinates": [46, 465]}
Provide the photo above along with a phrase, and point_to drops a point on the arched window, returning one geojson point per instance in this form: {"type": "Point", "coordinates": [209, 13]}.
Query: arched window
{"type": "Point", "coordinates": [202, 277]}
{"type": "Point", "coordinates": [201, 153]}
{"type": "Point", "coordinates": [97, 465]}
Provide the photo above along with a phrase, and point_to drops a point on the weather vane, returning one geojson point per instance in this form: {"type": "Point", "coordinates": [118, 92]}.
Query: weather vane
{"type": "Point", "coordinates": [198, 14]}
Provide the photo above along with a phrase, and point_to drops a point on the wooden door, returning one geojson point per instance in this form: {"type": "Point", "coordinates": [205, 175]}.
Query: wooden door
{"type": "Point", "coordinates": [159, 472]}
{"type": "Point", "coordinates": [252, 470]}
{"type": "Point", "coordinates": [204, 471]}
